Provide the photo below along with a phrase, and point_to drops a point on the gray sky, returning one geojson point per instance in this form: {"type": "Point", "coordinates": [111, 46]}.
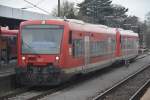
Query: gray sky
{"type": "Point", "coordinates": [136, 7]}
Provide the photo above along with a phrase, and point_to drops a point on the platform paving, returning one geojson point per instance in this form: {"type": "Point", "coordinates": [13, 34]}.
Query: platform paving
{"type": "Point", "coordinates": [146, 96]}
{"type": "Point", "coordinates": [7, 69]}
{"type": "Point", "coordinates": [7, 76]}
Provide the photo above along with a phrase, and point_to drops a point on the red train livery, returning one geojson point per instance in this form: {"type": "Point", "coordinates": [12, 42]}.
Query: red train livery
{"type": "Point", "coordinates": [51, 51]}
{"type": "Point", "coordinates": [8, 44]}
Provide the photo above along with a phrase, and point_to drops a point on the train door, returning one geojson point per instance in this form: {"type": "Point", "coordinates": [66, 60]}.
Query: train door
{"type": "Point", "coordinates": [110, 48]}
{"type": "Point", "coordinates": [86, 51]}
{"type": "Point", "coordinates": [119, 44]}
{"type": "Point", "coordinates": [125, 48]}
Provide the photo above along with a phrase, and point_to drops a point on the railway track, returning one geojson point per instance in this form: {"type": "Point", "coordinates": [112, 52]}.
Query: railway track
{"type": "Point", "coordinates": [14, 93]}
{"type": "Point", "coordinates": [141, 91]}
{"type": "Point", "coordinates": [127, 89]}
{"type": "Point", "coordinates": [32, 93]}
{"type": "Point", "coordinates": [142, 56]}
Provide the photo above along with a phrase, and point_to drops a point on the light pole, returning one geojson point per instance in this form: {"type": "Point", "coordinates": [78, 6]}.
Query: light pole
{"type": "Point", "coordinates": [58, 8]}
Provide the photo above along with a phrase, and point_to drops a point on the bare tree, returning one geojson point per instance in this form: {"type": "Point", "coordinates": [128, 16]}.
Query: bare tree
{"type": "Point", "coordinates": [147, 36]}
{"type": "Point", "coordinates": [67, 9]}
{"type": "Point", "coordinates": [148, 18]}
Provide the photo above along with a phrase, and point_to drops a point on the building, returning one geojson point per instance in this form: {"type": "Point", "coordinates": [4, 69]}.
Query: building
{"type": "Point", "coordinates": [11, 17]}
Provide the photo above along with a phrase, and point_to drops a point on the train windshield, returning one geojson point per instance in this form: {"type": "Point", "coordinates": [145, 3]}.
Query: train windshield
{"type": "Point", "coordinates": [41, 39]}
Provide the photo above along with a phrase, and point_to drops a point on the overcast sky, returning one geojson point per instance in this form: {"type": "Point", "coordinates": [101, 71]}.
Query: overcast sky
{"type": "Point", "coordinates": [136, 7]}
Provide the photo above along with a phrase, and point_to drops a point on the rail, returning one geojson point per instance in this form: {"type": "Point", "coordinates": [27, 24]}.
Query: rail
{"type": "Point", "coordinates": [141, 91]}
{"type": "Point", "coordinates": [105, 93]}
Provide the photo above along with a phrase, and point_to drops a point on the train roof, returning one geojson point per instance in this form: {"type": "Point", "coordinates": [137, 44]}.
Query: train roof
{"type": "Point", "coordinates": [128, 32]}
{"type": "Point", "coordinates": [79, 25]}
{"type": "Point", "coordinates": [4, 32]}
{"type": "Point", "coordinates": [82, 26]}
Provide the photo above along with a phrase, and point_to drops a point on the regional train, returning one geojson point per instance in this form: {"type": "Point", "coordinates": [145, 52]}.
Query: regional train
{"type": "Point", "coordinates": [52, 51]}
{"type": "Point", "coordinates": [8, 44]}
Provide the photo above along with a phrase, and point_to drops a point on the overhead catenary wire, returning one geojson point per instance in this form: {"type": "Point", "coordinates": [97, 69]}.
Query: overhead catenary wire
{"type": "Point", "coordinates": [39, 2]}
{"type": "Point", "coordinates": [37, 7]}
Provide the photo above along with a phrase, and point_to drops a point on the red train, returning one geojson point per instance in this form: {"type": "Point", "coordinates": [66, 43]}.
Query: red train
{"type": "Point", "coordinates": [51, 51]}
{"type": "Point", "coordinates": [8, 44]}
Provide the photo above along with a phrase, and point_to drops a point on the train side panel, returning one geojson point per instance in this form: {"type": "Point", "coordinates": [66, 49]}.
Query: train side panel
{"type": "Point", "coordinates": [89, 51]}
{"type": "Point", "coordinates": [128, 45]}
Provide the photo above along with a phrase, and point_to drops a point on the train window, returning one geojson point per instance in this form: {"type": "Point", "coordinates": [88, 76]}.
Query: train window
{"type": "Point", "coordinates": [70, 37]}
{"type": "Point", "coordinates": [130, 44]}
{"type": "Point", "coordinates": [43, 39]}
{"type": "Point", "coordinates": [133, 44]}
{"type": "Point", "coordinates": [123, 43]}
{"type": "Point", "coordinates": [13, 40]}
{"type": "Point", "coordinates": [73, 50]}
{"type": "Point", "coordinates": [113, 44]}
{"type": "Point", "coordinates": [120, 38]}
{"type": "Point", "coordinates": [136, 43]}
{"type": "Point", "coordinates": [78, 47]}
{"type": "Point", "coordinates": [98, 48]}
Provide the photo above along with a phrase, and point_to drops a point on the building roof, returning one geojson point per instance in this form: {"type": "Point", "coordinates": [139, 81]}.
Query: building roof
{"type": "Point", "coordinates": [15, 13]}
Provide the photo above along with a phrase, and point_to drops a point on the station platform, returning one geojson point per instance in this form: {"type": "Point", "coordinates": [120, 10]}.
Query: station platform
{"type": "Point", "coordinates": [146, 96]}
{"type": "Point", "coordinates": [7, 69]}
{"type": "Point", "coordinates": [7, 76]}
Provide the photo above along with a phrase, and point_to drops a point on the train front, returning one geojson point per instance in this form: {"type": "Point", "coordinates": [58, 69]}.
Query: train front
{"type": "Point", "coordinates": [39, 47]}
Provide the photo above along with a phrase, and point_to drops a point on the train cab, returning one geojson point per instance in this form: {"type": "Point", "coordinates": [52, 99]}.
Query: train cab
{"type": "Point", "coordinates": [8, 44]}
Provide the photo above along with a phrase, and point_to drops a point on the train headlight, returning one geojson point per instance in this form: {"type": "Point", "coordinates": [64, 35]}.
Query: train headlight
{"type": "Point", "coordinates": [57, 58]}
{"type": "Point", "coordinates": [23, 58]}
